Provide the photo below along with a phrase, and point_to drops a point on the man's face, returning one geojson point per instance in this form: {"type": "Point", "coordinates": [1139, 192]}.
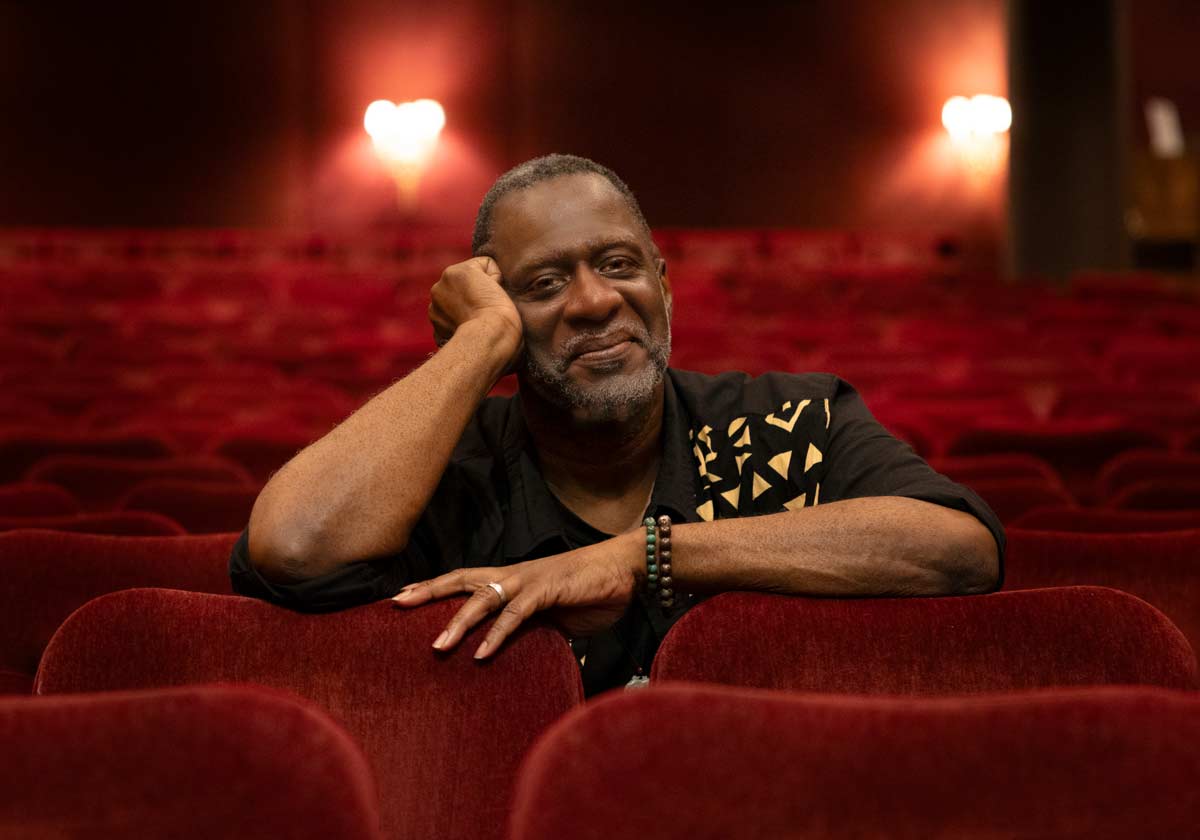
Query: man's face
{"type": "Point", "coordinates": [592, 294]}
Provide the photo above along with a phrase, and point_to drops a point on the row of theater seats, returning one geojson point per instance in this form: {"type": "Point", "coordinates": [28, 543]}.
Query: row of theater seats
{"type": "Point", "coordinates": [677, 761]}
{"type": "Point", "coordinates": [220, 345]}
{"type": "Point", "coordinates": [152, 381]}
{"type": "Point", "coordinates": [445, 737]}
{"type": "Point", "coordinates": [59, 485]}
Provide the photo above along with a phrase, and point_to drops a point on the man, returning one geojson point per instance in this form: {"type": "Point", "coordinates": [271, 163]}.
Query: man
{"type": "Point", "coordinates": [784, 483]}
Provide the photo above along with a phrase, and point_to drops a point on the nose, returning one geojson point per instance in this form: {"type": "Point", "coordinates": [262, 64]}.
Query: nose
{"type": "Point", "coordinates": [591, 297]}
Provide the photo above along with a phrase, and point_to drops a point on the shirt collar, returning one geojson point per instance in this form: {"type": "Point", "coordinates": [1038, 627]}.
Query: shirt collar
{"type": "Point", "coordinates": [533, 517]}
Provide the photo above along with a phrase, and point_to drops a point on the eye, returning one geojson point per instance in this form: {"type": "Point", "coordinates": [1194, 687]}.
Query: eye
{"type": "Point", "coordinates": [546, 284]}
{"type": "Point", "coordinates": [619, 265]}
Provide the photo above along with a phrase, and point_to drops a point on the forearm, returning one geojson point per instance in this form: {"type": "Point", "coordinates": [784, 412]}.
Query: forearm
{"type": "Point", "coordinates": [858, 547]}
{"type": "Point", "coordinates": [359, 491]}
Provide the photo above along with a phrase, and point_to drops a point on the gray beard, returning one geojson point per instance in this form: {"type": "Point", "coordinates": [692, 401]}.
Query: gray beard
{"type": "Point", "coordinates": [617, 397]}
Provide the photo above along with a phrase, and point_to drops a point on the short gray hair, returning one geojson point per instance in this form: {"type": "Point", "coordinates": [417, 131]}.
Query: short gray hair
{"type": "Point", "coordinates": [535, 171]}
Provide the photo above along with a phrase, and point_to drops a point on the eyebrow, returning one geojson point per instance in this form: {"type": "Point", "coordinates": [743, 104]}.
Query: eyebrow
{"type": "Point", "coordinates": [567, 256]}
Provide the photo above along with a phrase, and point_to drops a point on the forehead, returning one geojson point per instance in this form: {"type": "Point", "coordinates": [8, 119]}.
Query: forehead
{"type": "Point", "coordinates": [557, 215]}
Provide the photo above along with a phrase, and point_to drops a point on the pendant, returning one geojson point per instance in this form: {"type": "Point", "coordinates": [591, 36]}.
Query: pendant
{"type": "Point", "coordinates": [637, 681]}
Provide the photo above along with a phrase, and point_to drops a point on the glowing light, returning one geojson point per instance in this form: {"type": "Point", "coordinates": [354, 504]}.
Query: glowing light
{"type": "Point", "coordinates": [982, 115]}
{"type": "Point", "coordinates": [407, 133]}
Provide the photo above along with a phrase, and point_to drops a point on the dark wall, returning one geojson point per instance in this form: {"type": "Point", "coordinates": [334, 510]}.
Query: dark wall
{"type": "Point", "coordinates": [763, 113]}
{"type": "Point", "coordinates": [148, 114]}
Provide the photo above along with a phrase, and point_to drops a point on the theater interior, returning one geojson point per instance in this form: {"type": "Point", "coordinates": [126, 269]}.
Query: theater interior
{"type": "Point", "coordinates": [219, 226]}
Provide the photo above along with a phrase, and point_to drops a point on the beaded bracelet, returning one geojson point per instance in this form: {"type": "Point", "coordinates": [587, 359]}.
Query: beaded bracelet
{"type": "Point", "coordinates": [651, 555]}
{"type": "Point", "coordinates": [658, 560]}
{"type": "Point", "coordinates": [666, 590]}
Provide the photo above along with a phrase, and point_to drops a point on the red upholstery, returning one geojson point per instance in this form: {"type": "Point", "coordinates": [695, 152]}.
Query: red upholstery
{"type": "Point", "coordinates": [129, 523]}
{"type": "Point", "coordinates": [200, 507]}
{"type": "Point", "coordinates": [444, 733]}
{"type": "Point", "coordinates": [1012, 497]}
{"type": "Point", "coordinates": [203, 762]}
{"type": "Point", "coordinates": [1076, 450]}
{"type": "Point", "coordinates": [20, 451]}
{"type": "Point", "coordinates": [263, 453]}
{"type": "Point", "coordinates": [680, 762]}
{"type": "Point", "coordinates": [15, 682]}
{"type": "Point", "coordinates": [1129, 468]}
{"type": "Point", "coordinates": [997, 642]}
{"type": "Point", "coordinates": [1159, 494]}
{"type": "Point", "coordinates": [35, 498]}
{"type": "Point", "coordinates": [1106, 520]}
{"type": "Point", "coordinates": [1162, 569]}
{"type": "Point", "coordinates": [45, 576]}
{"type": "Point", "coordinates": [98, 483]}
{"type": "Point", "coordinates": [967, 469]}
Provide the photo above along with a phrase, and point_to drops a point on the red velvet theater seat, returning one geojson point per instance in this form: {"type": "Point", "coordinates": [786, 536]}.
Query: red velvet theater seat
{"type": "Point", "coordinates": [35, 498]}
{"type": "Point", "coordinates": [1106, 521]}
{"type": "Point", "coordinates": [45, 576]}
{"type": "Point", "coordinates": [1162, 569]}
{"type": "Point", "coordinates": [679, 762]}
{"type": "Point", "coordinates": [995, 467]}
{"type": "Point", "coordinates": [997, 642]}
{"type": "Point", "coordinates": [202, 762]}
{"type": "Point", "coordinates": [128, 523]}
{"type": "Point", "coordinates": [1076, 449]}
{"type": "Point", "coordinates": [201, 507]}
{"type": "Point", "coordinates": [1159, 494]}
{"type": "Point", "coordinates": [1130, 468]}
{"type": "Point", "coordinates": [263, 452]}
{"type": "Point", "coordinates": [99, 483]}
{"type": "Point", "coordinates": [444, 733]}
{"type": "Point", "coordinates": [1012, 497]}
{"type": "Point", "coordinates": [21, 450]}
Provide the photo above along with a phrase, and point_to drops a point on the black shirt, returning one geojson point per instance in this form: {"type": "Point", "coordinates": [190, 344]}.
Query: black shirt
{"type": "Point", "coordinates": [733, 446]}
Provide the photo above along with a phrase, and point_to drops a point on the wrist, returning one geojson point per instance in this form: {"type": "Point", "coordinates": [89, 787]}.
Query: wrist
{"type": "Point", "coordinates": [492, 341]}
{"type": "Point", "coordinates": [633, 551]}
{"type": "Point", "coordinates": [506, 334]}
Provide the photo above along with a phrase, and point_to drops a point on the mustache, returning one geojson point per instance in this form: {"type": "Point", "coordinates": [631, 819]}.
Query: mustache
{"type": "Point", "coordinates": [587, 340]}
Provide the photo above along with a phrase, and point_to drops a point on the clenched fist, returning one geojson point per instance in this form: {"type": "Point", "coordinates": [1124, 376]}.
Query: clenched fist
{"type": "Point", "coordinates": [469, 291]}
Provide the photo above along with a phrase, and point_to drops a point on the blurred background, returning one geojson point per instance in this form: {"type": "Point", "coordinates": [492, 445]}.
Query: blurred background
{"type": "Point", "coordinates": [219, 222]}
{"type": "Point", "coordinates": [759, 114]}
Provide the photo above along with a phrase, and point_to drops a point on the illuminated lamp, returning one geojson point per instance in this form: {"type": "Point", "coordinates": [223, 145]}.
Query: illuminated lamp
{"type": "Point", "coordinates": [404, 136]}
{"type": "Point", "coordinates": [981, 116]}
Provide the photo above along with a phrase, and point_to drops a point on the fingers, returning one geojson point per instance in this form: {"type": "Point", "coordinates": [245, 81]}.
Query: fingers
{"type": "Point", "coordinates": [510, 618]}
{"type": "Point", "coordinates": [489, 266]}
{"type": "Point", "coordinates": [425, 591]}
{"type": "Point", "coordinates": [482, 603]}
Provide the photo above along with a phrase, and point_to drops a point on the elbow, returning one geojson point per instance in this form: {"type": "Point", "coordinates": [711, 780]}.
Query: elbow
{"type": "Point", "coordinates": [280, 550]}
{"type": "Point", "coordinates": [972, 563]}
{"type": "Point", "coordinates": [279, 559]}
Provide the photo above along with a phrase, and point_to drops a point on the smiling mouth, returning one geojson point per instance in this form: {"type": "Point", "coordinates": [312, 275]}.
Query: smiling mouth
{"type": "Point", "coordinates": [607, 353]}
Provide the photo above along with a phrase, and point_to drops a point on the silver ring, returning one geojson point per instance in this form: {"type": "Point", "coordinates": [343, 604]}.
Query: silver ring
{"type": "Point", "coordinates": [499, 590]}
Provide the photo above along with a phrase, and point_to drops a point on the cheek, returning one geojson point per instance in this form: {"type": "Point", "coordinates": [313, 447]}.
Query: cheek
{"type": "Point", "coordinates": [538, 328]}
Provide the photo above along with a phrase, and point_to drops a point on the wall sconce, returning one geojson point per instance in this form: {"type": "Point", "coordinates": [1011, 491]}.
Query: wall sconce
{"type": "Point", "coordinates": [404, 136]}
{"type": "Point", "coordinates": [980, 116]}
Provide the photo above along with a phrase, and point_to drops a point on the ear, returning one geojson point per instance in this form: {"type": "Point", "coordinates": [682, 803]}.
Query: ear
{"type": "Point", "coordinates": [664, 281]}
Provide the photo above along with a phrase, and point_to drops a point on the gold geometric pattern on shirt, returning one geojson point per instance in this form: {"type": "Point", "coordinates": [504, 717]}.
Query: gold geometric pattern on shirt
{"type": "Point", "coordinates": [813, 457]}
{"type": "Point", "coordinates": [781, 462]}
{"type": "Point", "coordinates": [789, 423]}
{"type": "Point", "coordinates": [746, 465]}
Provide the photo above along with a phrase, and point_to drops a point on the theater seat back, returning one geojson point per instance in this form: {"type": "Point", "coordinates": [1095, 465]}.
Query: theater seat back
{"type": "Point", "coordinates": [444, 733]}
{"type": "Point", "coordinates": [201, 762]}
{"type": "Point", "coordinates": [1162, 569]}
{"type": "Point", "coordinates": [998, 642]}
{"type": "Point", "coordinates": [46, 575]}
{"type": "Point", "coordinates": [680, 762]}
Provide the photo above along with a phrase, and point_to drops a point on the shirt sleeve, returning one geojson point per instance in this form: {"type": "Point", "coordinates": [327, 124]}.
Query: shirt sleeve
{"type": "Point", "coordinates": [864, 459]}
